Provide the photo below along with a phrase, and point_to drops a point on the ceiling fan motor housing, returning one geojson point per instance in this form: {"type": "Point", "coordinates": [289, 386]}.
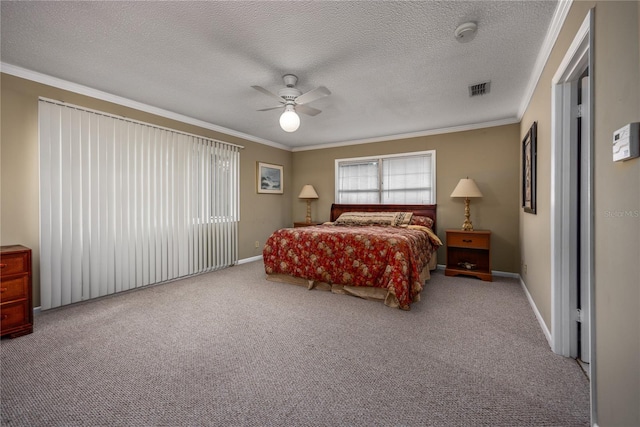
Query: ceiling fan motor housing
{"type": "Point", "coordinates": [289, 93]}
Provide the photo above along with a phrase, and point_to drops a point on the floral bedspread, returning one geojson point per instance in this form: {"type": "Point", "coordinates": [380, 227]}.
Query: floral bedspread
{"type": "Point", "coordinates": [376, 256]}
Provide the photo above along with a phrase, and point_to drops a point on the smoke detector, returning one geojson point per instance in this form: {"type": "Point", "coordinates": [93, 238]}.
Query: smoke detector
{"type": "Point", "coordinates": [466, 32]}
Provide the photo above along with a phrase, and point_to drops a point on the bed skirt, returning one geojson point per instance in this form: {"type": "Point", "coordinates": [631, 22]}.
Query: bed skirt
{"type": "Point", "coordinates": [366, 292]}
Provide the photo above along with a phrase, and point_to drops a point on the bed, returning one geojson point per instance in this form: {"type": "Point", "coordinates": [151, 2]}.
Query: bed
{"type": "Point", "coordinates": [379, 252]}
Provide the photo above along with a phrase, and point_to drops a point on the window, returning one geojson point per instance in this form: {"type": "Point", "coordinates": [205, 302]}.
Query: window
{"type": "Point", "coordinates": [408, 178]}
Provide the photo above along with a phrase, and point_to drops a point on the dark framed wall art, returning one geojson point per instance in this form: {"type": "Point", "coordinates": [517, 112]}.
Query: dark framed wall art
{"type": "Point", "coordinates": [529, 157]}
{"type": "Point", "coordinates": [270, 178]}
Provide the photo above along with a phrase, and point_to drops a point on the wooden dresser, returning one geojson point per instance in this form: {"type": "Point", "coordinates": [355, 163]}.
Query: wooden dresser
{"type": "Point", "coordinates": [16, 310]}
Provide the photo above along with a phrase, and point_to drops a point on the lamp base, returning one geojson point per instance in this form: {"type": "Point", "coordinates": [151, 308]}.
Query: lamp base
{"type": "Point", "coordinates": [308, 218]}
{"type": "Point", "coordinates": [467, 225]}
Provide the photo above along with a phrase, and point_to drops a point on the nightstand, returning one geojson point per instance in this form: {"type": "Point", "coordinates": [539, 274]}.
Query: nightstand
{"type": "Point", "coordinates": [469, 253]}
{"type": "Point", "coordinates": [305, 224]}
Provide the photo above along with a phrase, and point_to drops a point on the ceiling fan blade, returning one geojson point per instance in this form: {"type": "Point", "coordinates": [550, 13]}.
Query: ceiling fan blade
{"type": "Point", "coordinates": [270, 108]}
{"type": "Point", "coordinates": [305, 109]}
{"type": "Point", "coordinates": [266, 92]}
{"type": "Point", "coordinates": [312, 95]}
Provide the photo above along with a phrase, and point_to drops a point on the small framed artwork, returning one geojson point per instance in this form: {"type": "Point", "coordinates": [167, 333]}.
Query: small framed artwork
{"type": "Point", "coordinates": [270, 179]}
{"type": "Point", "coordinates": [529, 157]}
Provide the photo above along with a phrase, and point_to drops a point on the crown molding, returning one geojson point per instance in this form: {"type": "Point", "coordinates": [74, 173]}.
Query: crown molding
{"type": "Point", "coordinates": [557, 21]}
{"type": "Point", "coordinates": [105, 96]}
{"type": "Point", "coordinates": [438, 131]}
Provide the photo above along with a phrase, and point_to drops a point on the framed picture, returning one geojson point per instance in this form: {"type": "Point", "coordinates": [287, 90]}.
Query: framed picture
{"type": "Point", "coordinates": [529, 157]}
{"type": "Point", "coordinates": [270, 179]}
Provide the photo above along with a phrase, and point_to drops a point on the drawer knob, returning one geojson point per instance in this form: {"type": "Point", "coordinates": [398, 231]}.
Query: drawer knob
{"type": "Point", "coordinates": [3, 265]}
{"type": "Point", "coordinates": [467, 240]}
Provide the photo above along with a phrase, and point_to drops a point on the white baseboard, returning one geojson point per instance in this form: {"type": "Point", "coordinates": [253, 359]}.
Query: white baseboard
{"type": "Point", "coordinates": [251, 259]}
{"type": "Point", "coordinates": [543, 326]}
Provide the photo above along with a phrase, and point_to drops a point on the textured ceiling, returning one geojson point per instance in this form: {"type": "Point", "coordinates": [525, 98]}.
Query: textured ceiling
{"type": "Point", "coordinates": [393, 68]}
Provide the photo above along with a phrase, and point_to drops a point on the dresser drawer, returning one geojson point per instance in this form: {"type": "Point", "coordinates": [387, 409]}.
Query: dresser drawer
{"type": "Point", "coordinates": [14, 263]}
{"type": "Point", "coordinates": [16, 312]}
{"type": "Point", "coordinates": [13, 314]}
{"type": "Point", "coordinates": [479, 241]}
{"type": "Point", "coordinates": [14, 288]}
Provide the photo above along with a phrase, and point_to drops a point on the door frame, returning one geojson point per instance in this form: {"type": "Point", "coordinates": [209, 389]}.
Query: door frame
{"type": "Point", "coordinates": [564, 245]}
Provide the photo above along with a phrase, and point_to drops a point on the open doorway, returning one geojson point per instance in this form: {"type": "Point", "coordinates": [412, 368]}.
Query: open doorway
{"type": "Point", "coordinates": [572, 207]}
{"type": "Point", "coordinates": [583, 212]}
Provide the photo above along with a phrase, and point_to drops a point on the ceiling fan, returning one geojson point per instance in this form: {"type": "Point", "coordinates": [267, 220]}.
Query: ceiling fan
{"type": "Point", "coordinates": [293, 100]}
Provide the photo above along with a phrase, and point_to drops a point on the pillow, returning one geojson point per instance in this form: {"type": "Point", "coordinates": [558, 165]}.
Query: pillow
{"type": "Point", "coordinates": [424, 221]}
{"type": "Point", "coordinates": [374, 218]}
{"type": "Point", "coordinates": [403, 218]}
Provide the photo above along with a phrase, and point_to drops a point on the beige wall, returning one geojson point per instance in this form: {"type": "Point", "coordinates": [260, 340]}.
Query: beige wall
{"type": "Point", "coordinates": [490, 156]}
{"type": "Point", "coordinates": [260, 214]}
{"type": "Point", "coordinates": [617, 189]}
{"type": "Point", "coordinates": [617, 192]}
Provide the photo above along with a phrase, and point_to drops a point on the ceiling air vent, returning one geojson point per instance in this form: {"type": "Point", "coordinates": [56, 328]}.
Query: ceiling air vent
{"type": "Point", "coordinates": [479, 89]}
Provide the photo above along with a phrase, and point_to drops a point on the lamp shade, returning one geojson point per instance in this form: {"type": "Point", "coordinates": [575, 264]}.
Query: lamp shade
{"type": "Point", "coordinates": [308, 192]}
{"type": "Point", "coordinates": [289, 120]}
{"type": "Point", "coordinates": [466, 188]}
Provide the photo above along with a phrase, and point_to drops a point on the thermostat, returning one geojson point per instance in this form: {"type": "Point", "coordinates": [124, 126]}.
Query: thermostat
{"type": "Point", "coordinates": [625, 142]}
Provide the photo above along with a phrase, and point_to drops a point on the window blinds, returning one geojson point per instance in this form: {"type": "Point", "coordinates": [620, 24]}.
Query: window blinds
{"type": "Point", "coordinates": [407, 180]}
{"type": "Point", "coordinates": [394, 179]}
{"type": "Point", "coordinates": [125, 204]}
{"type": "Point", "coordinates": [358, 182]}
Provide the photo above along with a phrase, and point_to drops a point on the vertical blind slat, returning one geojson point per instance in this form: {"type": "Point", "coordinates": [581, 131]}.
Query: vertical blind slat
{"type": "Point", "coordinates": [75, 170]}
{"type": "Point", "coordinates": [210, 215]}
{"type": "Point", "coordinates": [122, 249]}
{"type": "Point", "coordinates": [110, 177]}
{"type": "Point", "coordinates": [168, 160]}
{"type": "Point", "coordinates": [119, 205]}
{"type": "Point", "coordinates": [104, 198]}
{"type": "Point", "coordinates": [56, 246]}
{"type": "Point", "coordinates": [160, 226]}
{"type": "Point", "coordinates": [125, 204]}
{"type": "Point", "coordinates": [215, 203]}
{"type": "Point", "coordinates": [46, 116]}
{"type": "Point", "coordinates": [66, 194]}
{"type": "Point", "coordinates": [131, 206]}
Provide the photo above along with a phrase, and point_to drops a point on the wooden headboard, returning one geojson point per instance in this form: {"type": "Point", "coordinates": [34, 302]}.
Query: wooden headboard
{"type": "Point", "coordinates": [422, 210]}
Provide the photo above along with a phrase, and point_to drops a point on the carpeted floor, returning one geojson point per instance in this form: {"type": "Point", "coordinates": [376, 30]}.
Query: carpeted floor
{"type": "Point", "coordinates": [230, 348]}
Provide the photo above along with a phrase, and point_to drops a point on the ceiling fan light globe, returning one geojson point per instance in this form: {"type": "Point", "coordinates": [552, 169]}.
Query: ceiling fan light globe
{"type": "Point", "coordinates": [289, 121]}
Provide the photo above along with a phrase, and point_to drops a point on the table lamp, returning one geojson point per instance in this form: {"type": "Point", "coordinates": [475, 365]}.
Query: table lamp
{"type": "Point", "coordinates": [309, 193]}
{"type": "Point", "coordinates": [466, 188]}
